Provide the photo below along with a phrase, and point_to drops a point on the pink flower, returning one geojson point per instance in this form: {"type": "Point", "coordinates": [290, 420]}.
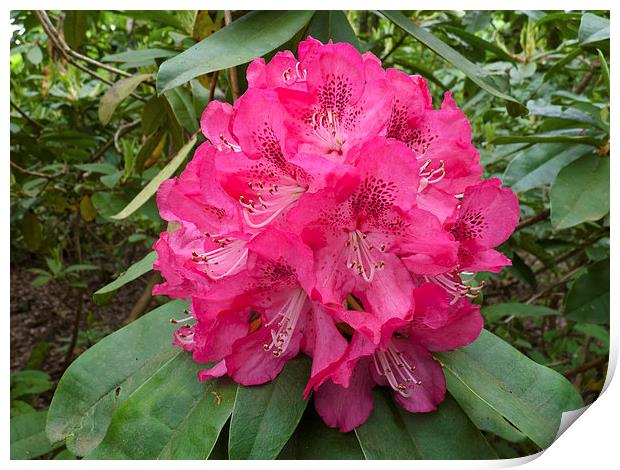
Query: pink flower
{"type": "Point", "coordinates": [332, 183]}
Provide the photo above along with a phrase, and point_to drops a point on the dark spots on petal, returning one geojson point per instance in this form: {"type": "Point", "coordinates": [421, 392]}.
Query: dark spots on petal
{"type": "Point", "coordinates": [470, 225]}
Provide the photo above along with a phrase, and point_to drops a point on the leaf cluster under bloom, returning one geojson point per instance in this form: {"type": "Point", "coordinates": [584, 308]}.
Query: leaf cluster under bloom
{"type": "Point", "coordinates": [332, 211]}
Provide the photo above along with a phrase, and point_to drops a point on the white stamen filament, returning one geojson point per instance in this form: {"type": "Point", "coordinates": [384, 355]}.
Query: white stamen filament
{"type": "Point", "coordinates": [287, 75]}
{"type": "Point", "coordinates": [360, 257]}
{"type": "Point", "coordinates": [455, 286]}
{"type": "Point", "coordinates": [287, 318]}
{"type": "Point", "coordinates": [225, 260]}
{"type": "Point", "coordinates": [326, 127]}
{"type": "Point", "coordinates": [430, 175]}
{"type": "Point", "coordinates": [271, 203]}
{"type": "Point", "coordinates": [393, 365]}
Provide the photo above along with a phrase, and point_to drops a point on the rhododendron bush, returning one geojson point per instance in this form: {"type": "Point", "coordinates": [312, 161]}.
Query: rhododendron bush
{"type": "Point", "coordinates": [324, 256]}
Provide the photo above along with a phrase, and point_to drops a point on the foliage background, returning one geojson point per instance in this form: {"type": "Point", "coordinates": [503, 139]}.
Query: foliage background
{"type": "Point", "coordinates": [89, 132]}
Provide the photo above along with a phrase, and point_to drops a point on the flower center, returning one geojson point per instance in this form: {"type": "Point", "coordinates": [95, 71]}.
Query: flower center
{"type": "Point", "coordinates": [430, 175]}
{"type": "Point", "coordinates": [360, 256]}
{"type": "Point", "coordinates": [394, 366]}
{"type": "Point", "coordinates": [326, 126]}
{"type": "Point", "coordinates": [270, 202]}
{"type": "Point", "coordinates": [287, 318]}
{"type": "Point", "coordinates": [224, 261]}
{"type": "Point", "coordinates": [455, 285]}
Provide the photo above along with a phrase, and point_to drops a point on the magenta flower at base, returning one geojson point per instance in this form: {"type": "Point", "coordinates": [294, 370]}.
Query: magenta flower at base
{"type": "Point", "coordinates": [332, 183]}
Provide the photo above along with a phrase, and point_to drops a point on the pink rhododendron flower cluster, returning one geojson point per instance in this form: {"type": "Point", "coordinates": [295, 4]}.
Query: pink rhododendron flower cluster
{"type": "Point", "coordinates": [333, 211]}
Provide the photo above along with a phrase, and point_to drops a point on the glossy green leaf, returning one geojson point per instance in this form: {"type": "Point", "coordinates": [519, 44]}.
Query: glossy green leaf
{"type": "Point", "coordinates": [117, 93]}
{"type": "Point", "coordinates": [151, 188]}
{"type": "Point", "coordinates": [74, 27]}
{"type": "Point", "coordinates": [482, 415]}
{"type": "Point", "coordinates": [183, 108]}
{"type": "Point", "coordinates": [314, 440]}
{"type": "Point", "coordinates": [538, 165]}
{"type": "Point", "coordinates": [34, 55]}
{"type": "Point", "coordinates": [171, 416]}
{"type": "Point", "coordinates": [334, 25]}
{"type": "Point", "coordinates": [106, 374]}
{"type": "Point", "coordinates": [604, 70]}
{"type": "Point", "coordinates": [140, 55]}
{"type": "Point", "coordinates": [494, 312]}
{"type": "Point", "coordinates": [153, 114]}
{"type": "Point", "coordinates": [29, 382]}
{"type": "Point", "coordinates": [548, 139]}
{"type": "Point", "coordinates": [593, 31]}
{"type": "Point", "coordinates": [265, 416]}
{"type": "Point", "coordinates": [589, 297]}
{"type": "Point", "coordinates": [580, 192]}
{"type": "Point", "coordinates": [174, 19]}
{"type": "Point", "coordinates": [479, 76]}
{"type": "Point", "coordinates": [251, 36]}
{"type": "Point", "coordinates": [132, 273]}
{"type": "Point", "coordinates": [510, 383]}
{"type": "Point", "coordinates": [28, 439]}
{"type": "Point", "coordinates": [393, 433]}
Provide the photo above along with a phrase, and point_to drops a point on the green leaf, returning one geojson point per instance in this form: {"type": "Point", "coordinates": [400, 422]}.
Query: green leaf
{"type": "Point", "coordinates": [593, 31]}
{"type": "Point", "coordinates": [580, 192]}
{"type": "Point", "coordinates": [559, 65]}
{"type": "Point", "coordinates": [165, 18]}
{"type": "Point", "coordinates": [393, 433]}
{"type": "Point", "coordinates": [548, 139]}
{"type": "Point", "coordinates": [604, 69]}
{"type": "Point", "coordinates": [334, 25]}
{"type": "Point", "coordinates": [251, 36]}
{"type": "Point", "coordinates": [314, 440]}
{"type": "Point", "coordinates": [74, 268]}
{"type": "Point", "coordinates": [589, 297]}
{"type": "Point", "coordinates": [28, 439]}
{"type": "Point", "coordinates": [265, 416]}
{"type": "Point", "coordinates": [29, 382]}
{"type": "Point", "coordinates": [32, 231]}
{"type": "Point", "coordinates": [494, 312]}
{"type": "Point", "coordinates": [151, 188]}
{"type": "Point", "coordinates": [479, 76]}
{"type": "Point", "coordinates": [34, 55]}
{"type": "Point", "coordinates": [141, 55]}
{"type": "Point", "coordinates": [106, 374]}
{"type": "Point", "coordinates": [530, 396]}
{"type": "Point", "coordinates": [117, 93]}
{"type": "Point", "coordinates": [171, 416]}
{"type": "Point", "coordinates": [133, 272]}
{"type": "Point", "coordinates": [153, 114]}
{"type": "Point", "coordinates": [538, 165]}
{"type": "Point", "coordinates": [183, 108]}
{"type": "Point", "coordinates": [74, 27]}
{"type": "Point", "coordinates": [65, 455]}
{"type": "Point", "coordinates": [483, 416]}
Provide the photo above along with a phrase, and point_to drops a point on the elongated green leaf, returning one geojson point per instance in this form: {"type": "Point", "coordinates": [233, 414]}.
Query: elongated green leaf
{"type": "Point", "coordinates": [265, 416]}
{"type": "Point", "coordinates": [174, 19]}
{"type": "Point", "coordinates": [548, 139]}
{"type": "Point", "coordinates": [314, 440]}
{"type": "Point", "coordinates": [483, 416]}
{"type": "Point", "coordinates": [334, 25]}
{"type": "Point", "coordinates": [588, 298]}
{"type": "Point", "coordinates": [140, 55]}
{"type": "Point", "coordinates": [604, 69]}
{"type": "Point", "coordinates": [559, 65]}
{"type": "Point", "coordinates": [479, 76]}
{"type": "Point", "coordinates": [105, 375]}
{"type": "Point", "coordinates": [447, 433]}
{"type": "Point", "coordinates": [593, 31]}
{"type": "Point", "coordinates": [495, 312]}
{"type": "Point", "coordinates": [251, 36]}
{"type": "Point", "coordinates": [133, 272]}
{"type": "Point", "coordinates": [171, 416]}
{"type": "Point", "coordinates": [74, 27]}
{"type": "Point", "coordinates": [117, 93]}
{"type": "Point", "coordinates": [28, 439]}
{"type": "Point", "coordinates": [580, 192]}
{"type": "Point", "coordinates": [183, 108]}
{"type": "Point", "coordinates": [151, 188]}
{"type": "Point", "coordinates": [530, 396]}
{"type": "Point", "coordinates": [539, 164]}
